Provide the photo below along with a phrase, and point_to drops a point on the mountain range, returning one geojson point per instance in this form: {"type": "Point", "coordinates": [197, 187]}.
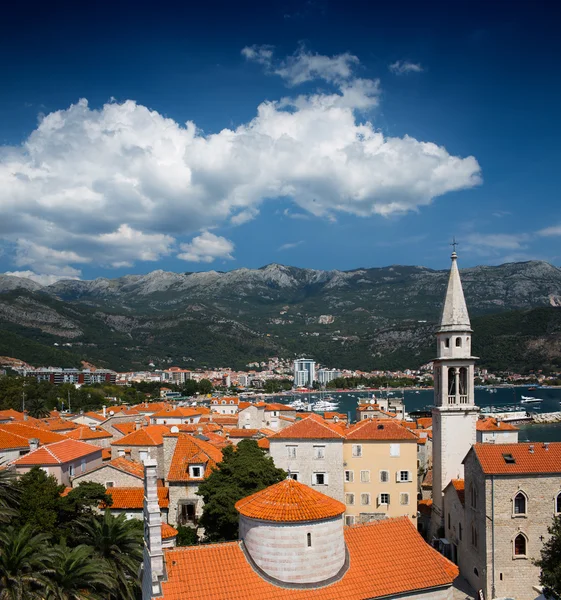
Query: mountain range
{"type": "Point", "coordinates": [369, 318]}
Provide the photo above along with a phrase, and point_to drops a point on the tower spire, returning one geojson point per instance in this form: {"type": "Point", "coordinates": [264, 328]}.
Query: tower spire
{"type": "Point", "coordinates": [454, 315]}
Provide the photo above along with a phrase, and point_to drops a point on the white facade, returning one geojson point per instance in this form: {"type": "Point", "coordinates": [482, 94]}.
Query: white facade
{"type": "Point", "coordinates": [324, 376]}
{"type": "Point", "coordinates": [454, 413]}
{"type": "Point", "coordinates": [304, 372]}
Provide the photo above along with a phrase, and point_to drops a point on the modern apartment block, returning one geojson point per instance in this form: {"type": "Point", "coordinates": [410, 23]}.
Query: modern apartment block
{"type": "Point", "coordinates": [304, 372]}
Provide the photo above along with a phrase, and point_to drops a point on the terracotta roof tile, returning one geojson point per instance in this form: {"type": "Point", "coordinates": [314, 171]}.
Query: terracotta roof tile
{"type": "Point", "coordinates": [379, 429]}
{"type": "Point", "coordinates": [289, 501]}
{"type": "Point", "coordinates": [127, 466]}
{"type": "Point", "coordinates": [427, 481]}
{"type": "Point", "coordinates": [527, 458]}
{"type": "Point", "coordinates": [106, 454]}
{"type": "Point", "coordinates": [11, 440]}
{"type": "Point", "coordinates": [424, 422]}
{"type": "Point", "coordinates": [264, 443]}
{"type": "Point", "coordinates": [242, 433]}
{"type": "Point", "coordinates": [178, 411]}
{"type": "Point", "coordinates": [425, 507]}
{"type": "Point", "coordinates": [491, 424]}
{"type": "Point", "coordinates": [387, 558]}
{"type": "Point", "coordinates": [312, 427]}
{"type": "Point", "coordinates": [58, 424]}
{"type": "Point", "coordinates": [133, 497]}
{"type": "Point", "coordinates": [29, 432]}
{"type": "Point", "coordinates": [460, 487]}
{"type": "Point", "coordinates": [168, 531]}
{"type": "Point", "coordinates": [191, 450]}
{"type": "Point", "coordinates": [57, 453]}
{"type": "Point", "coordinates": [151, 435]}
{"type": "Point", "coordinates": [280, 407]}
{"type": "Point", "coordinates": [87, 433]}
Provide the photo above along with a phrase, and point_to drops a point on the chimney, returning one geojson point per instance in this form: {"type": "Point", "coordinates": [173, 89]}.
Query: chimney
{"type": "Point", "coordinates": [200, 430]}
{"type": "Point", "coordinates": [92, 427]}
{"type": "Point", "coordinates": [153, 572]}
{"type": "Point", "coordinates": [531, 448]}
{"type": "Point", "coordinates": [104, 411]}
{"type": "Point", "coordinates": [25, 415]}
{"type": "Point", "coordinates": [546, 446]}
{"type": "Point", "coordinates": [137, 423]}
{"type": "Point", "coordinates": [33, 444]}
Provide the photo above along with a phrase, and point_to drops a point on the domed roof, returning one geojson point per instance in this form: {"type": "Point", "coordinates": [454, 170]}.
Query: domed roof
{"type": "Point", "coordinates": [289, 501]}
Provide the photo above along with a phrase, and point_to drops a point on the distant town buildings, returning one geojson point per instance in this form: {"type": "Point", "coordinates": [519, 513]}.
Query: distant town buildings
{"type": "Point", "coordinates": [304, 372]}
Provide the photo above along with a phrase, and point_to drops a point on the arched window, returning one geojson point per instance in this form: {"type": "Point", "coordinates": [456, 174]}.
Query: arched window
{"type": "Point", "coordinates": [463, 382]}
{"type": "Point", "coordinates": [458, 342]}
{"type": "Point", "coordinates": [451, 381]}
{"type": "Point", "coordinates": [309, 537]}
{"type": "Point", "coordinates": [558, 503]}
{"type": "Point", "coordinates": [520, 504]}
{"type": "Point", "coordinates": [520, 545]}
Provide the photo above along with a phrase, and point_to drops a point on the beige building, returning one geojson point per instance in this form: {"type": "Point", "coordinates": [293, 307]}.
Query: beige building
{"type": "Point", "coordinates": [493, 431]}
{"type": "Point", "coordinates": [496, 519]}
{"type": "Point", "coordinates": [118, 472]}
{"type": "Point", "coordinates": [380, 471]}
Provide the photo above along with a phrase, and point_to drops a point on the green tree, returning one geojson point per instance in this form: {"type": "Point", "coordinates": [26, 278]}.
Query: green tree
{"type": "Point", "coordinates": [9, 495]}
{"type": "Point", "coordinates": [39, 500]}
{"type": "Point", "coordinates": [119, 542]}
{"type": "Point", "coordinates": [80, 502]}
{"type": "Point", "coordinates": [550, 561]}
{"type": "Point", "coordinates": [26, 561]}
{"type": "Point", "coordinates": [78, 575]}
{"type": "Point", "coordinates": [241, 473]}
{"type": "Point", "coordinates": [205, 386]}
{"type": "Point", "coordinates": [37, 408]}
{"type": "Point", "coordinates": [186, 536]}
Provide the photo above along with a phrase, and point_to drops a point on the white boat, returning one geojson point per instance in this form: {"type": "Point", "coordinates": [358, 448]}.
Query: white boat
{"type": "Point", "coordinates": [530, 400]}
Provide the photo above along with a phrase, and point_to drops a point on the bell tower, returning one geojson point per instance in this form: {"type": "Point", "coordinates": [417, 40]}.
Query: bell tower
{"type": "Point", "coordinates": [454, 414]}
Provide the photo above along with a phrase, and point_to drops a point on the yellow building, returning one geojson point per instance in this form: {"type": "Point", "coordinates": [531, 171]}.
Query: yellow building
{"type": "Point", "coordinates": [380, 471]}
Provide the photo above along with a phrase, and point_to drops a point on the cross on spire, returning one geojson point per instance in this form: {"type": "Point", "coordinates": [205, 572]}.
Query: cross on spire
{"type": "Point", "coordinates": [454, 244]}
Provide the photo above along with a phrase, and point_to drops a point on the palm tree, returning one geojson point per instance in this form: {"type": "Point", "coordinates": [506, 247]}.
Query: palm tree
{"type": "Point", "coordinates": [25, 563]}
{"type": "Point", "coordinates": [37, 408]}
{"type": "Point", "coordinates": [119, 542]}
{"type": "Point", "coordinates": [9, 495]}
{"type": "Point", "coordinates": [78, 575]}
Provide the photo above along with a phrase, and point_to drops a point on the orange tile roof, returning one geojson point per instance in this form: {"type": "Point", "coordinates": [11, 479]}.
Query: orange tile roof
{"type": "Point", "coordinates": [242, 433]}
{"type": "Point", "coordinates": [379, 429]}
{"type": "Point", "coordinates": [125, 465]}
{"type": "Point", "coordinates": [95, 416]}
{"type": "Point", "coordinates": [491, 424]}
{"type": "Point", "coordinates": [460, 487]}
{"type": "Point", "coordinates": [289, 501]}
{"type": "Point", "coordinates": [106, 453]}
{"type": "Point", "coordinates": [151, 407]}
{"type": "Point", "coordinates": [264, 443]}
{"type": "Point", "coordinates": [279, 407]}
{"type": "Point", "coordinates": [387, 558]}
{"type": "Point", "coordinates": [29, 432]}
{"type": "Point", "coordinates": [425, 507]}
{"type": "Point", "coordinates": [332, 415]}
{"type": "Point", "coordinates": [191, 450]}
{"type": "Point", "coordinates": [10, 440]}
{"type": "Point", "coordinates": [528, 458]}
{"type": "Point", "coordinates": [57, 453]}
{"type": "Point", "coordinates": [179, 411]}
{"type": "Point", "coordinates": [58, 424]}
{"type": "Point", "coordinates": [312, 427]}
{"type": "Point", "coordinates": [424, 422]}
{"type": "Point", "coordinates": [11, 414]}
{"type": "Point", "coordinates": [151, 435]}
{"type": "Point", "coordinates": [133, 497]}
{"type": "Point", "coordinates": [86, 433]}
{"type": "Point", "coordinates": [168, 531]}
{"type": "Point", "coordinates": [427, 481]}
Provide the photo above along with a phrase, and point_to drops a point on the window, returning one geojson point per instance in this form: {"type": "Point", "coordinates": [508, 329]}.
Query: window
{"type": "Point", "coordinates": [365, 499]}
{"type": "Point", "coordinates": [143, 455]}
{"type": "Point", "coordinates": [384, 476]}
{"type": "Point", "coordinates": [357, 450]}
{"type": "Point", "coordinates": [365, 476]}
{"type": "Point", "coordinates": [473, 496]}
{"type": "Point", "coordinates": [71, 471]}
{"type": "Point", "coordinates": [404, 476]}
{"type": "Point", "coordinates": [558, 503]}
{"type": "Point", "coordinates": [309, 539]}
{"type": "Point", "coordinates": [319, 452]}
{"type": "Point", "coordinates": [349, 499]}
{"type": "Point", "coordinates": [520, 504]}
{"type": "Point", "coordinates": [83, 465]}
{"type": "Point", "coordinates": [349, 476]}
{"type": "Point", "coordinates": [349, 520]}
{"type": "Point", "coordinates": [447, 343]}
{"type": "Point", "coordinates": [319, 479]}
{"type": "Point", "coordinates": [109, 484]}
{"type": "Point", "coordinates": [404, 499]}
{"type": "Point", "coordinates": [394, 449]}
{"type": "Point", "coordinates": [195, 472]}
{"type": "Point", "coordinates": [449, 521]}
{"type": "Point", "coordinates": [293, 475]}
{"type": "Point", "coordinates": [121, 452]}
{"type": "Point", "coordinates": [473, 536]}
{"type": "Point", "coordinates": [291, 451]}
{"type": "Point", "coordinates": [458, 342]}
{"type": "Point", "coordinates": [520, 545]}
{"type": "Point", "coordinates": [384, 499]}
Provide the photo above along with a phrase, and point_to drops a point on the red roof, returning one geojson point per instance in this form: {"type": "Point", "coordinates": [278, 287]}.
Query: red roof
{"type": "Point", "coordinates": [57, 453]}
{"type": "Point", "coordinates": [123, 464]}
{"type": "Point", "coordinates": [30, 432]}
{"type": "Point", "coordinates": [242, 433]}
{"type": "Point", "coordinates": [264, 443]}
{"type": "Point", "coordinates": [58, 424]}
{"type": "Point", "coordinates": [9, 440]}
{"type": "Point", "coordinates": [133, 497]}
{"type": "Point", "coordinates": [151, 435]}
{"type": "Point", "coordinates": [179, 411]}
{"type": "Point", "coordinates": [87, 433]}
{"type": "Point", "coordinates": [491, 424]}
{"type": "Point", "coordinates": [424, 422]}
{"type": "Point", "coordinates": [289, 501]}
{"type": "Point", "coordinates": [506, 459]}
{"type": "Point", "coordinates": [379, 429]}
{"type": "Point", "coordinates": [168, 531]}
{"type": "Point", "coordinates": [312, 427]}
{"type": "Point", "coordinates": [460, 487]}
{"type": "Point", "coordinates": [387, 558]}
{"type": "Point", "coordinates": [425, 507]}
{"type": "Point", "coordinates": [279, 407]}
{"type": "Point", "coordinates": [190, 450]}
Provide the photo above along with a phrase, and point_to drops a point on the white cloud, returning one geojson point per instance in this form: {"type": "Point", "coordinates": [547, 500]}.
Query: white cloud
{"type": "Point", "coordinates": [402, 67]}
{"type": "Point", "coordinates": [207, 247]}
{"type": "Point", "coordinates": [259, 54]}
{"type": "Point", "coordinates": [41, 279]}
{"type": "Point", "coordinates": [123, 183]}
{"type": "Point", "coordinates": [550, 231]}
{"type": "Point", "coordinates": [290, 245]}
{"type": "Point", "coordinates": [500, 241]}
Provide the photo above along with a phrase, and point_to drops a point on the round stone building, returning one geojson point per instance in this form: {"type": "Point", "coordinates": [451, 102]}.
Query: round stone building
{"type": "Point", "coordinates": [293, 535]}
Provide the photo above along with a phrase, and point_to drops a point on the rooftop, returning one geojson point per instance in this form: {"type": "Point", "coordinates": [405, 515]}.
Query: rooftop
{"type": "Point", "coordinates": [151, 435]}
{"type": "Point", "coordinates": [312, 427]}
{"type": "Point", "coordinates": [491, 424]}
{"type": "Point", "coordinates": [133, 497]}
{"type": "Point", "coordinates": [379, 429]}
{"type": "Point", "coordinates": [57, 453]}
{"type": "Point", "coordinates": [529, 458]}
{"type": "Point", "coordinates": [191, 450]}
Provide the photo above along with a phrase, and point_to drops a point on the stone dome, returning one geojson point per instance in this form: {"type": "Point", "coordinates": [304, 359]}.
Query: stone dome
{"type": "Point", "coordinates": [293, 534]}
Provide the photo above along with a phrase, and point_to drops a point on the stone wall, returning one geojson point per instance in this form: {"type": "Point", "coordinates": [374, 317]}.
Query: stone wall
{"type": "Point", "coordinates": [156, 452]}
{"type": "Point", "coordinates": [109, 473]}
{"type": "Point", "coordinates": [179, 492]}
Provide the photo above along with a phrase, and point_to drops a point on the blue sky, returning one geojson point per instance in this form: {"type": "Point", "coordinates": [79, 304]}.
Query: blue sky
{"type": "Point", "coordinates": [321, 134]}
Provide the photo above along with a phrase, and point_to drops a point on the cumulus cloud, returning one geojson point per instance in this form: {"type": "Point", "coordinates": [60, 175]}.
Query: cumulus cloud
{"type": "Point", "coordinates": [402, 67]}
{"type": "Point", "coordinates": [550, 231]}
{"type": "Point", "coordinates": [290, 245]}
{"type": "Point", "coordinates": [206, 248]}
{"type": "Point", "coordinates": [499, 241]}
{"type": "Point", "coordinates": [122, 183]}
{"type": "Point", "coordinates": [41, 279]}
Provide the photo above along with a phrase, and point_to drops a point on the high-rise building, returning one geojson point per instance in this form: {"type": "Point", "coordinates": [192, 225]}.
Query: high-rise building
{"type": "Point", "coordinates": [454, 415]}
{"type": "Point", "coordinates": [324, 376]}
{"type": "Point", "coordinates": [304, 372]}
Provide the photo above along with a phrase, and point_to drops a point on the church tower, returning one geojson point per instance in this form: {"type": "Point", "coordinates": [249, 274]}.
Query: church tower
{"type": "Point", "coordinates": [454, 415]}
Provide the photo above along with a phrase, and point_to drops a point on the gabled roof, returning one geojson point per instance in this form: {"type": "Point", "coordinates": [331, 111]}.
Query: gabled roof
{"type": "Point", "coordinates": [10, 440]}
{"type": "Point", "coordinates": [58, 424]}
{"type": "Point", "coordinates": [388, 558]}
{"type": "Point", "coordinates": [280, 407]}
{"type": "Point", "coordinates": [460, 487]}
{"type": "Point", "coordinates": [492, 424]}
{"type": "Point", "coordinates": [312, 427]}
{"type": "Point", "coordinates": [178, 411]}
{"type": "Point", "coordinates": [124, 465]}
{"type": "Point", "coordinates": [29, 432]}
{"type": "Point", "coordinates": [190, 450]}
{"type": "Point", "coordinates": [87, 433]}
{"type": "Point", "coordinates": [379, 429]}
{"type": "Point", "coordinates": [236, 432]}
{"type": "Point", "coordinates": [289, 501]}
{"type": "Point", "coordinates": [424, 422]}
{"type": "Point", "coordinates": [151, 435]}
{"type": "Point", "coordinates": [527, 458]}
{"type": "Point", "coordinates": [132, 498]}
{"type": "Point", "coordinates": [454, 316]}
{"type": "Point", "coordinates": [57, 453]}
